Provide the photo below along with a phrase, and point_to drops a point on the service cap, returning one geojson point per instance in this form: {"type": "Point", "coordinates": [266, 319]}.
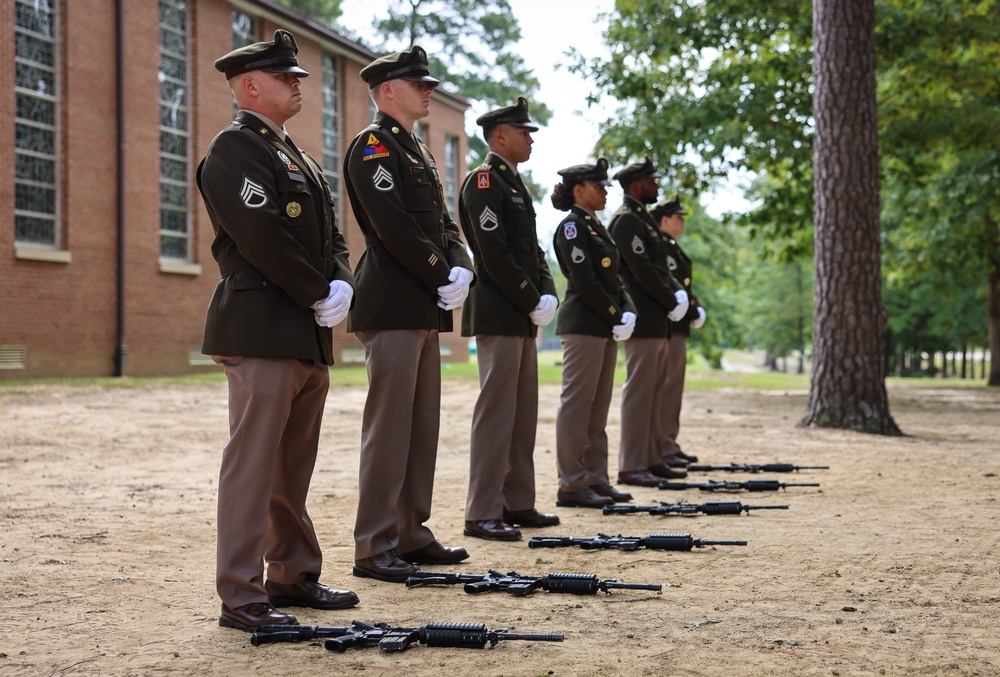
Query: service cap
{"type": "Point", "coordinates": [411, 65]}
{"type": "Point", "coordinates": [636, 170]}
{"type": "Point", "coordinates": [597, 172]}
{"type": "Point", "coordinates": [277, 56]}
{"type": "Point", "coordinates": [668, 208]}
{"type": "Point", "coordinates": [516, 116]}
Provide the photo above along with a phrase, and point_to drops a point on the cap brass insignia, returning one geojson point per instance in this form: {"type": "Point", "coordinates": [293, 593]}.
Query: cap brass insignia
{"type": "Point", "coordinates": [605, 262]}
{"type": "Point", "coordinates": [293, 209]}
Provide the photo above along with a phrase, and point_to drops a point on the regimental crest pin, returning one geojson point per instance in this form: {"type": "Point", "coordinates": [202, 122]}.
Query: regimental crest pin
{"type": "Point", "coordinates": [382, 179]}
{"type": "Point", "coordinates": [488, 220]}
{"type": "Point", "coordinates": [252, 194]}
{"type": "Point", "coordinates": [638, 246]}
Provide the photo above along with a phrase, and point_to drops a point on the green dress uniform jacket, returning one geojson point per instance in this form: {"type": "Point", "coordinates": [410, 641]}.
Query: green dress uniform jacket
{"type": "Point", "coordinates": [411, 241]}
{"type": "Point", "coordinates": [595, 296]}
{"type": "Point", "coordinates": [276, 243]}
{"type": "Point", "coordinates": [498, 220]}
{"type": "Point", "coordinates": [644, 268]}
{"type": "Point", "coordinates": [680, 268]}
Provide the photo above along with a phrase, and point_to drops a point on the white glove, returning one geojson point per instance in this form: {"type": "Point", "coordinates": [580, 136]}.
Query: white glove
{"type": "Point", "coordinates": [545, 310]}
{"type": "Point", "coordinates": [332, 310]}
{"type": "Point", "coordinates": [453, 295]}
{"type": "Point", "coordinates": [683, 303]}
{"type": "Point", "coordinates": [623, 331]}
{"type": "Point", "coordinates": [700, 320]}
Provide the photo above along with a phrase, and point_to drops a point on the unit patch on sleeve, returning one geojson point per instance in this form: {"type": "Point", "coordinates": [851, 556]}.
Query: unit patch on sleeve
{"type": "Point", "coordinates": [482, 180]}
{"type": "Point", "coordinates": [488, 219]}
{"type": "Point", "coordinates": [374, 149]}
{"type": "Point", "coordinates": [569, 230]}
{"type": "Point", "coordinates": [252, 194]}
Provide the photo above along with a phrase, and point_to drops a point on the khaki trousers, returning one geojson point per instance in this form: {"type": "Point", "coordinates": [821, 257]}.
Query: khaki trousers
{"type": "Point", "coordinates": [275, 413]}
{"type": "Point", "coordinates": [646, 365]}
{"type": "Point", "coordinates": [399, 437]}
{"type": "Point", "coordinates": [504, 421]}
{"type": "Point", "coordinates": [672, 393]}
{"type": "Point", "coordinates": [587, 381]}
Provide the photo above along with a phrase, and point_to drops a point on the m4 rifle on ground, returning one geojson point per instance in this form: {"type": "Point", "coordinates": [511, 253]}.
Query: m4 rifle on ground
{"type": "Point", "coordinates": [747, 485]}
{"type": "Point", "coordinates": [387, 638]}
{"type": "Point", "coordinates": [709, 508]}
{"type": "Point", "coordinates": [676, 542]}
{"type": "Point", "coordinates": [522, 586]}
{"type": "Point", "coordinates": [753, 468]}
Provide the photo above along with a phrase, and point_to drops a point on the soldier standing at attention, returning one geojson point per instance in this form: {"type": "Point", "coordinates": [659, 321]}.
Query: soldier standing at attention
{"type": "Point", "coordinates": [670, 217]}
{"type": "Point", "coordinates": [285, 282]}
{"type": "Point", "coordinates": [658, 298]}
{"type": "Point", "coordinates": [596, 313]}
{"type": "Point", "coordinates": [414, 272]}
{"type": "Point", "coordinates": [513, 296]}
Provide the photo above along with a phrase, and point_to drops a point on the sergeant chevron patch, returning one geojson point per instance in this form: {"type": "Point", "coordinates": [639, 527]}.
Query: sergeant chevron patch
{"type": "Point", "coordinates": [252, 194]}
{"type": "Point", "coordinates": [488, 220]}
{"type": "Point", "coordinates": [638, 246]}
{"type": "Point", "coordinates": [382, 179]}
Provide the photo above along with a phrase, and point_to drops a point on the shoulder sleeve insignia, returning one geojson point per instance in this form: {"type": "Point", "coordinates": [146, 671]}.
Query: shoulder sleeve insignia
{"type": "Point", "coordinates": [569, 230]}
{"type": "Point", "coordinates": [374, 149]}
{"type": "Point", "coordinates": [482, 180]}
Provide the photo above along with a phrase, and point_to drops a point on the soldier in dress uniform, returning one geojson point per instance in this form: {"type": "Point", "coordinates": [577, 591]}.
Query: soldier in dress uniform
{"type": "Point", "coordinates": [596, 313]}
{"type": "Point", "coordinates": [670, 217]}
{"type": "Point", "coordinates": [513, 296]}
{"type": "Point", "coordinates": [285, 282]}
{"type": "Point", "coordinates": [414, 272]}
{"type": "Point", "coordinates": [658, 298]}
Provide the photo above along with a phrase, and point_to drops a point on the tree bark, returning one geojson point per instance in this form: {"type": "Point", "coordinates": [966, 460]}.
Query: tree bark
{"type": "Point", "coordinates": [993, 304]}
{"type": "Point", "coordinates": [848, 379]}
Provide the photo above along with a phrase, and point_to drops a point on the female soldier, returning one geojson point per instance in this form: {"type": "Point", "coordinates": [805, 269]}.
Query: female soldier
{"type": "Point", "coordinates": [596, 313]}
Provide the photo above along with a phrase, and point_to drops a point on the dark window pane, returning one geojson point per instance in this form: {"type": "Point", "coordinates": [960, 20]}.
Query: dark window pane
{"type": "Point", "coordinates": [34, 199]}
{"type": "Point", "coordinates": [35, 109]}
{"type": "Point", "coordinates": [173, 144]}
{"type": "Point", "coordinates": [36, 169]}
{"type": "Point", "coordinates": [35, 79]}
{"type": "Point", "coordinates": [34, 17]}
{"type": "Point", "coordinates": [174, 117]}
{"type": "Point", "coordinates": [173, 169]}
{"type": "Point", "coordinates": [33, 138]}
{"type": "Point", "coordinates": [173, 220]}
{"type": "Point", "coordinates": [34, 230]}
{"type": "Point", "coordinates": [173, 194]}
{"type": "Point", "coordinates": [31, 48]}
{"type": "Point", "coordinates": [172, 247]}
{"type": "Point", "coordinates": [173, 93]}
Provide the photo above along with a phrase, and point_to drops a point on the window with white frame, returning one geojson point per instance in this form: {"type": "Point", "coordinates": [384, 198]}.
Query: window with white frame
{"type": "Point", "coordinates": [451, 180]}
{"type": "Point", "coordinates": [331, 127]}
{"type": "Point", "coordinates": [175, 231]}
{"type": "Point", "coordinates": [36, 117]}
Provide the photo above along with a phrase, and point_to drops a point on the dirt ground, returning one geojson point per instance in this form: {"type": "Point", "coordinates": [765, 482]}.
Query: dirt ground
{"type": "Point", "coordinates": [107, 546]}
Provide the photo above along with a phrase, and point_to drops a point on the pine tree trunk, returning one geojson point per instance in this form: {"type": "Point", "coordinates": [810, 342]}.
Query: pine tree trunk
{"type": "Point", "coordinates": [848, 379]}
{"type": "Point", "coordinates": [993, 305]}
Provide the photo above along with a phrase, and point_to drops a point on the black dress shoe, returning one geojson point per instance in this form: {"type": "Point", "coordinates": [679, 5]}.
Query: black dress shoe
{"type": "Point", "coordinates": [674, 461]}
{"type": "Point", "coordinates": [611, 492]}
{"type": "Point", "coordinates": [435, 553]}
{"type": "Point", "coordinates": [249, 617]}
{"type": "Point", "coordinates": [690, 458]}
{"type": "Point", "coordinates": [666, 472]}
{"type": "Point", "coordinates": [530, 518]}
{"type": "Point", "coordinates": [309, 593]}
{"type": "Point", "coordinates": [639, 478]}
{"type": "Point", "coordinates": [385, 566]}
{"type": "Point", "coordinates": [585, 498]}
{"type": "Point", "coordinates": [491, 530]}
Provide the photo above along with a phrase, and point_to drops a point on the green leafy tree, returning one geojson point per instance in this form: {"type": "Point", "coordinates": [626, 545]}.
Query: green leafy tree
{"type": "Point", "coordinates": [324, 12]}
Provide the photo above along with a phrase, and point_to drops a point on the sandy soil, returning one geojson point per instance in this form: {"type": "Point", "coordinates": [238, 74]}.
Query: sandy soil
{"type": "Point", "coordinates": [890, 567]}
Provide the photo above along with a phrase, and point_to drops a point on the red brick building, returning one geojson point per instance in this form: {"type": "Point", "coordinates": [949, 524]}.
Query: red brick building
{"type": "Point", "coordinates": [105, 245]}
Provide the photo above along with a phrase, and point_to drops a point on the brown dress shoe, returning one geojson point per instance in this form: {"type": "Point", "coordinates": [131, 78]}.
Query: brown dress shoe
{"type": "Point", "coordinates": [249, 617]}
{"type": "Point", "coordinates": [435, 553]}
{"type": "Point", "coordinates": [639, 478]}
{"type": "Point", "coordinates": [585, 498]}
{"type": "Point", "coordinates": [611, 492]}
{"type": "Point", "coordinates": [530, 518]}
{"type": "Point", "coordinates": [690, 458]}
{"type": "Point", "coordinates": [385, 566]}
{"type": "Point", "coordinates": [665, 471]}
{"type": "Point", "coordinates": [491, 530]}
{"type": "Point", "coordinates": [674, 461]}
{"type": "Point", "coordinates": [309, 593]}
